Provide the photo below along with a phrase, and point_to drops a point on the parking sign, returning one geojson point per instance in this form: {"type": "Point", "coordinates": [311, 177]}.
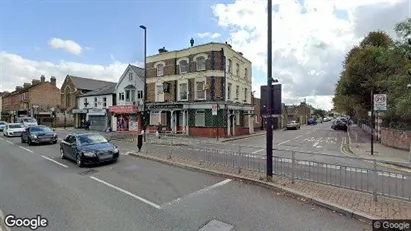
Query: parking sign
{"type": "Point", "coordinates": [380, 102]}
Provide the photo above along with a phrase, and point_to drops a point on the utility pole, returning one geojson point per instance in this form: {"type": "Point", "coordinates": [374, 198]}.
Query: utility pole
{"type": "Point", "coordinates": [269, 141]}
{"type": "Point", "coordinates": [145, 116]}
{"type": "Point", "coordinates": [372, 121]}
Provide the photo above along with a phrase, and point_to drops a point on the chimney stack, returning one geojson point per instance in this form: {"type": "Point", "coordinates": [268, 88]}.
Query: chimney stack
{"type": "Point", "coordinates": [35, 81]}
{"type": "Point", "coordinates": [42, 79]}
{"type": "Point", "coordinates": [241, 53]}
{"type": "Point", "coordinates": [18, 88]}
{"type": "Point", "coordinates": [53, 80]}
{"type": "Point", "coordinates": [26, 85]}
{"type": "Point", "coordinates": [192, 42]}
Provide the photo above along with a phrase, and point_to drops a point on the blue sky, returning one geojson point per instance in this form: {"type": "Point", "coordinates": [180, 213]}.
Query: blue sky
{"type": "Point", "coordinates": [106, 27]}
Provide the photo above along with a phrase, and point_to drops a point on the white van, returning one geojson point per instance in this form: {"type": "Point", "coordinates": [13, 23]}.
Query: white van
{"type": "Point", "coordinates": [27, 121]}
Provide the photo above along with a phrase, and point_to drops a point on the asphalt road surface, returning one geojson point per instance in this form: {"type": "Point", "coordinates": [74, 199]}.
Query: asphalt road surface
{"type": "Point", "coordinates": [135, 194]}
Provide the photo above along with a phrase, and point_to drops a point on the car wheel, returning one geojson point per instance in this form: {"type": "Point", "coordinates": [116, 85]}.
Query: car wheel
{"type": "Point", "coordinates": [22, 140]}
{"type": "Point", "coordinates": [79, 162]}
{"type": "Point", "coordinates": [29, 142]}
{"type": "Point", "coordinates": [62, 156]}
{"type": "Point", "coordinates": [55, 142]}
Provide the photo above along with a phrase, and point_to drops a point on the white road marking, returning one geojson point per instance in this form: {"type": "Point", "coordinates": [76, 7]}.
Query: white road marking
{"type": "Point", "coordinates": [8, 141]}
{"type": "Point", "coordinates": [298, 137]}
{"type": "Point", "coordinates": [26, 149]}
{"type": "Point", "coordinates": [54, 161]}
{"type": "Point", "coordinates": [1, 138]}
{"type": "Point", "coordinates": [258, 151]}
{"type": "Point", "coordinates": [283, 142]}
{"type": "Point", "coordinates": [126, 192]}
{"type": "Point", "coordinates": [200, 191]}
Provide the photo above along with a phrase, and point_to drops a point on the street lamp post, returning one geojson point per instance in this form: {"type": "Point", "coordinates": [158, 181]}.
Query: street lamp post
{"type": "Point", "coordinates": [269, 141]}
{"type": "Point", "coordinates": [145, 82]}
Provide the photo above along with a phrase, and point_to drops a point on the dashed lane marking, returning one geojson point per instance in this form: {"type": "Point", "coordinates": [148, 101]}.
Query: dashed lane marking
{"type": "Point", "coordinates": [26, 149]}
{"type": "Point", "coordinates": [283, 142]}
{"type": "Point", "coordinates": [298, 137]}
{"type": "Point", "coordinates": [126, 192]}
{"type": "Point", "coordinates": [54, 161]}
{"type": "Point", "coordinates": [260, 150]}
{"type": "Point", "coordinates": [8, 141]}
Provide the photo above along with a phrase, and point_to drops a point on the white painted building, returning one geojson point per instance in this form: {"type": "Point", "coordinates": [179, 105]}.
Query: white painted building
{"type": "Point", "coordinates": [95, 105]}
{"type": "Point", "coordinates": [130, 100]}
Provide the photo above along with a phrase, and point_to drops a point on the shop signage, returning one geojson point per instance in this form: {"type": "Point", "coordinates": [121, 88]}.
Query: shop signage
{"type": "Point", "coordinates": [79, 111]}
{"type": "Point", "coordinates": [129, 109]}
{"type": "Point", "coordinates": [166, 106]}
{"type": "Point", "coordinates": [97, 110]}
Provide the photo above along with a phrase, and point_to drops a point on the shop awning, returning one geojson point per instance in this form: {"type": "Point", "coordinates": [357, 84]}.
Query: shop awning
{"type": "Point", "coordinates": [123, 109]}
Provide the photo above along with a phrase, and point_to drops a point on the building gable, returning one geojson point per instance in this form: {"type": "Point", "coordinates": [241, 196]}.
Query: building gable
{"type": "Point", "coordinates": [136, 76]}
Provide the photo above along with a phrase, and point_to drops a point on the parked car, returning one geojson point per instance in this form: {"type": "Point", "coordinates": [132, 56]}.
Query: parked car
{"type": "Point", "coordinates": [89, 148]}
{"type": "Point", "coordinates": [293, 125]}
{"type": "Point", "coordinates": [13, 129]}
{"type": "Point", "coordinates": [311, 122]}
{"type": "Point", "coordinates": [326, 119]}
{"type": "Point", "coordinates": [319, 120]}
{"type": "Point", "coordinates": [2, 125]}
{"type": "Point", "coordinates": [27, 121]}
{"type": "Point", "coordinates": [39, 134]}
{"type": "Point", "coordinates": [339, 125]}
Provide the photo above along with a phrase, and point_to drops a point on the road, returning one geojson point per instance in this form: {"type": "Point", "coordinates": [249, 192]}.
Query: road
{"type": "Point", "coordinates": [330, 167]}
{"type": "Point", "coordinates": [136, 194]}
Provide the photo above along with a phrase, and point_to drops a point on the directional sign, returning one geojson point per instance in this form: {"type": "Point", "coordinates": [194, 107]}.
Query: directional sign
{"type": "Point", "coordinates": [380, 102]}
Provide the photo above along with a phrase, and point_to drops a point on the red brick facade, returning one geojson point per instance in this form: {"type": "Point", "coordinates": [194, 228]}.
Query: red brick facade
{"type": "Point", "coordinates": [396, 138]}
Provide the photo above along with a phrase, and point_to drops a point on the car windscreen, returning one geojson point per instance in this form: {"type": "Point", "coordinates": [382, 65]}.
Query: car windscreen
{"type": "Point", "coordinates": [40, 129]}
{"type": "Point", "coordinates": [12, 126]}
{"type": "Point", "coordinates": [2, 123]}
{"type": "Point", "coordinates": [91, 139]}
{"type": "Point", "coordinates": [29, 120]}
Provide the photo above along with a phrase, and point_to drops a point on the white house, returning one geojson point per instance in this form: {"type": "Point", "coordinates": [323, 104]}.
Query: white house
{"type": "Point", "coordinates": [130, 98]}
{"type": "Point", "coordinates": [95, 105]}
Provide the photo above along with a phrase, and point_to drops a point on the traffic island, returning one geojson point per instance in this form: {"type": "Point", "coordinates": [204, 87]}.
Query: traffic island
{"type": "Point", "coordinates": [351, 203]}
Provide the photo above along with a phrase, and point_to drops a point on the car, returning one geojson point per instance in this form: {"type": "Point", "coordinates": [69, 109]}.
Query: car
{"type": "Point", "coordinates": [88, 148]}
{"type": "Point", "coordinates": [2, 125]}
{"type": "Point", "coordinates": [311, 122]}
{"type": "Point", "coordinates": [293, 125]}
{"type": "Point", "coordinates": [39, 134]}
{"type": "Point", "coordinates": [27, 121]}
{"type": "Point", "coordinates": [13, 129]}
{"type": "Point", "coordinates": [339, 125]}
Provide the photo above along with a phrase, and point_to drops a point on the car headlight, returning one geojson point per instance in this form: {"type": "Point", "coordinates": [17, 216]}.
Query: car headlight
{"type": "Point", "coordinates": [115, 150]}
{"type": "Point", "coordinates": [34, 136]}
{"type": "Point", "coordinates": [55, 135]}
{"type": "Point", "coordinates": [89, 154]}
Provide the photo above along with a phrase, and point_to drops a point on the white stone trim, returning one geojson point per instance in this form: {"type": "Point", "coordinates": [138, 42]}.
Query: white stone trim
{"type": "Point", "coordinates": [200, 55]}
{"type": "Point", "coordinates": [183, 59]}
{"type": "Point", "coordinates": [159, 62]}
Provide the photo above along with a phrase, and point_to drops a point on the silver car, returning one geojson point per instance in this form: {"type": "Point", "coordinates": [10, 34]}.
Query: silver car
{"type": "Point", "coordinates": [2, 125]}
{"type": "Point", "coordinates": [293, 125]}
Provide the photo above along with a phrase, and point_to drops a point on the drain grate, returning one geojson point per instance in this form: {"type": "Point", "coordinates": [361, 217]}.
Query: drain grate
{"type": "Point", "coordinates": [88, 172]}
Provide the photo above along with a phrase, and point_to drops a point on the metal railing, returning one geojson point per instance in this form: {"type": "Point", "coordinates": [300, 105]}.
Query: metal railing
{"type": "Point", "coordinates": [360, 174]}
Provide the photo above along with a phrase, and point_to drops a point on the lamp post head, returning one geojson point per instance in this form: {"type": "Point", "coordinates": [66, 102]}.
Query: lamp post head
{"type": "Point", "coordinates": [143, 27]}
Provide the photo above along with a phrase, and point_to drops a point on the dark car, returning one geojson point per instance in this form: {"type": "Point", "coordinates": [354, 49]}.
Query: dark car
{"type": "Point", "coordinates": [90, 148]}
{"type": "Point", "coordinates": [39, 134]}
{"type": "Point", "coordinates": [311, 122]}
{"type": "Point", "coordinates": [339, 125]}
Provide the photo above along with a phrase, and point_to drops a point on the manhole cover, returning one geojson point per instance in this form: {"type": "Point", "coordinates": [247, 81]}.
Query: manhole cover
{"type": "Point", "coordinates": [88, 172]}
{"type": "Point", "coordinates": [216, 225]}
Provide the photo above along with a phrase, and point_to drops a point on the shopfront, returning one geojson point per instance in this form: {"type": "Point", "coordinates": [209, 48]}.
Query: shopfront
{"type": "Point", "coordinates": [98, 119]}
{"type": "Point", "coordinates": [125, 118]}
{"type": "Point", "coordinates": [80, 116]}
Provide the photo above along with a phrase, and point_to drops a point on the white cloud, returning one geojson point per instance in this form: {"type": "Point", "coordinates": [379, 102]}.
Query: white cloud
{"type": "Point", "coordinates": [209, 35]}
{"type": "Point", "coordinates": [310, 40]}
{"type": "Point", "coordinates": [15, 70]}
{"type": "Point", "coordinates": [68, 45]}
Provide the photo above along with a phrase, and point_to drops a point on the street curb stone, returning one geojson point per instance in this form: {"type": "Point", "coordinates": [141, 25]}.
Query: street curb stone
{"type": "Point", "coordinates": [317, 201]}
{"type": "Point", "coordinates": [242, 137]}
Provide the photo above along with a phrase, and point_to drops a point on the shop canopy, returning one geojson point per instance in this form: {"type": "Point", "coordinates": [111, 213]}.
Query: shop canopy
{"type": "Point", "coordinates": [123, 109]}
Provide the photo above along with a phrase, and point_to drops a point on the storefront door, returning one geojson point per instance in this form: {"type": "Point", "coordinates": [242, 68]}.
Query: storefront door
{"type": "Point", "coordinates": [97, 122]}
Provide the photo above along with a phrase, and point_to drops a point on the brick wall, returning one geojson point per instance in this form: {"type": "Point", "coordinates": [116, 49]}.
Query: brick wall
{"type": "Point", "coordinates": [12, 102]}
{"type": "Point", "coordinates": [37, 95]}
{"type": "Point", "coordinates": [396, 138]}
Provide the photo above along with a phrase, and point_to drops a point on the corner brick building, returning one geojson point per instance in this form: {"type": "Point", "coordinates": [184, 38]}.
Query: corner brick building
{"type": "Point", "coordinates": [202, 90]}
{"type": "Point", "coordinates": [35, 98]}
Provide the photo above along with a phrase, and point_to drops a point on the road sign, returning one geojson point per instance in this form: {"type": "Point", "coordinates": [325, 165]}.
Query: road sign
{"type": "Point", "coordinates": [380, 102]}
{"type": "Point", "coordinates": [215, 109]}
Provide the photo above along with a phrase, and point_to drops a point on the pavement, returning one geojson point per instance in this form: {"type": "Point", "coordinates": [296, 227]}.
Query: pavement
{"type": "Point", "coordinates": [140, 194]}
{"type": "Point", "coordinates": [360, 145]}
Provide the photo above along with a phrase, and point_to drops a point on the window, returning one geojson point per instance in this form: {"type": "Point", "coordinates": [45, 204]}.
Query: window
{"type": "Point", "coordinates": [200, 91]}
{"type": "Point", "coordinates": [245, 73]}
{"type": "Point", "coordinates": [130, 95]}
{"type": "Point", "coordinates": [121, 96]}
{"type": "Point", "coordinates": [130, 76]}
{"type": "Point", "coordinates": [159, 93]}
{"type": "Point", "coordinates": [183, 91]}
{"type": "Point", "coordinates": [245, 95]}
{"type": "Point", "coordinates": [154, 118]}
{"type": "Point", "coordinates": [160, 70]}
{"type": "Point", "coordinates": [201, 63]}
{"type": "Point", "coordinates": [229, 91]}
{"type": "Point", "coordinates": [104, 102]}
{"type": "Point", "coordinates": [237, 70]}
{"type": "Point", "coordinates": [237, 92]}
{"type": "Point", "coordinates": [140, 95]}
{"type": "Point", "coordinates": [95, 101]}
{"type": "Point", "coordinates": [230, 65]}
{"type": "Point", "coordinates": [183, 66]}
{"type": "Point", "coordinates": [200, 119]}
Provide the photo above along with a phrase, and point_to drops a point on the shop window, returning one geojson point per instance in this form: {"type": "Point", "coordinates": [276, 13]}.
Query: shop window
{"type": "Point", "coordinates": [200, 119]}
{"type": "Point", "coordinates": [154, 118]}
